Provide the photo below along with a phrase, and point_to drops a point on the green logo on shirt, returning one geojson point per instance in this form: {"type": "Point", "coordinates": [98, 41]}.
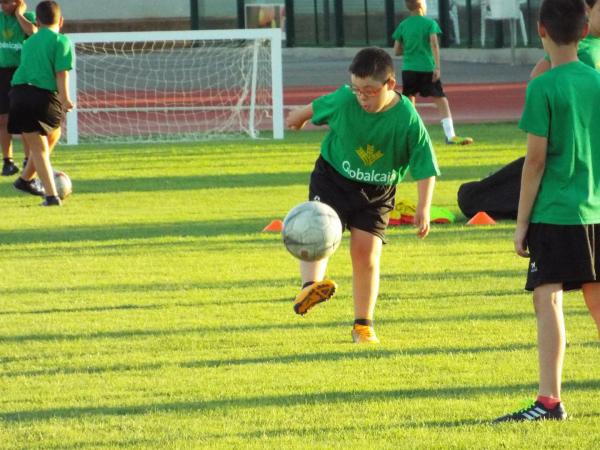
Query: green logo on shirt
{"type": "Point", "coordinates": [369, 156]}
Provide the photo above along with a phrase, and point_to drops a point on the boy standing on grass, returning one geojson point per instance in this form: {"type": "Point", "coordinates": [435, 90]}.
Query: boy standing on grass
{"type": "Point", "coordinates": [16, 25]}
{"type": "Point", "coordinates": [416, 39]}
{"type": "Point", "coordinates": [374, 136]}
{"type": "Point", "coordinates": [40, 96]}
{"type": "Point", "coordinates": [558, 222]}
{"type": "Point", "coordinates": [588, 50]}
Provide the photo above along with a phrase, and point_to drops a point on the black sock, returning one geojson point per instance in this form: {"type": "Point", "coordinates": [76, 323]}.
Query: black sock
{"type": "Point", "coordinates": [308, 283]}
{"type": "Point", "coordinates": [366, 322]}
{"type": "Point", "coordinates": [8, 160]}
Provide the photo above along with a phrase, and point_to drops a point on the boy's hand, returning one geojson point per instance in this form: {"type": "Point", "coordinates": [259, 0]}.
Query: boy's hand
{"type": "Point", "coordinates": [67, 104]}
{"type": "Point", "coordinates": [297, 118]}
{"type": "Point", "coordinates": [520, 239]}
{"type": "Point", "coordinates": [437, 73]}
{"type": "Point", "coordinates": [422, 222]}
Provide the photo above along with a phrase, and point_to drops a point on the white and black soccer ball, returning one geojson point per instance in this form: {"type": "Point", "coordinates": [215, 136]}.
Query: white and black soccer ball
{"type": "Point", "coordinates": [312, 231]}
{"type": "Point", "coordinates": [64, 187]}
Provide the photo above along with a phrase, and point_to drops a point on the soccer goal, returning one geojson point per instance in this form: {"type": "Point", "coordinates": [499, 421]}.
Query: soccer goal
{"type": "Point", "coordinates": [175, 86]}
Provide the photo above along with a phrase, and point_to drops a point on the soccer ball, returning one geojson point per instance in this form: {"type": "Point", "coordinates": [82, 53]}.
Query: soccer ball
{"type": "Point", "coordinates": [312, 231]}
{"type": "Point", "coordinates": [63, 184]}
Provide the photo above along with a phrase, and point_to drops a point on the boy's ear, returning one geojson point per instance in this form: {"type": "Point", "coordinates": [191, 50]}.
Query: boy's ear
{"type": "Point", "coordinates": [61, 22]}
{"type": "Point", "coordinates": [541, 30]}
{"type": "Point", "coordinates": [586, 30]}
{"type": "Point", "coordinates": [391, 84]}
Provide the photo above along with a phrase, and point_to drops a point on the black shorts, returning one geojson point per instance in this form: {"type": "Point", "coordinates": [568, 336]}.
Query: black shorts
{"type": "Point", "coordinates": [33, 110]}
{"type": "Point", "coordinates": [6, 74]}
{"type": "Point", "coordinates": [414, 83]}
{"type": "Point", "coordinates": [567, 254]}
{"type": "Point", "coordinates": [360, 205]}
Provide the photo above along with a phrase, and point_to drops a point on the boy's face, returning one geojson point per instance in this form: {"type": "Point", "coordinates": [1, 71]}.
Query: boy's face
{"type": "Point", "coordinates": [594, 19]}
{"type": "Point", "coordinates": [9, 6]}
{"type": "Point", "coordinates": [372, 95]}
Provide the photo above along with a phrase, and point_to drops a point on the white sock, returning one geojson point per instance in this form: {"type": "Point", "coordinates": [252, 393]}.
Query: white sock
{"type": "Point", "coordinates": [448, 126]}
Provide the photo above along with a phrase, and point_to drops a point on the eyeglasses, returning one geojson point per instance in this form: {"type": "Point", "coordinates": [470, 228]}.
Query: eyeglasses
{"type": "Point", "coordinates": [368, 91]}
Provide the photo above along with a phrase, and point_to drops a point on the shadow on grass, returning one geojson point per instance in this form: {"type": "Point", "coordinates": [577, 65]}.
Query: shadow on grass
{"type": "Point", "coordinates": [134, 231]}
{"type": "Point", "coordinates": [79, 310]}
{"type": "Point", "coordinates": [351, 354]}
{"type": "Point", "coordinates": [181, 183]}
{"type": "Point", "coordinates": [281, 401]}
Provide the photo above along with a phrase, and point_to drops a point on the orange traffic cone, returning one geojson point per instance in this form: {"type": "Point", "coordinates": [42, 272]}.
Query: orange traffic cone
{"type": "Point", "coordinates": [481, 218]}
{"type": "Point", "coordinates": [275, 225]}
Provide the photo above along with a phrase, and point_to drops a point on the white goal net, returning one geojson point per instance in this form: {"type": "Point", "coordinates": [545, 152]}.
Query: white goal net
{"type": "Point", "coordinates": [175, 86]}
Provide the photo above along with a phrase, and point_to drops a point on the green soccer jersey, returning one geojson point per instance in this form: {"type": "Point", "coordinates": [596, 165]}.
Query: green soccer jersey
{"type": "Point", "coordinates": [43, 55]}
{"type": "Point", "coordinates": [12, 39]}
{"type": "Point", "coordinates": [373, 148]}
{"type": "Point", "coordinates": [589, 51]}
{"type": "Point", "coordinates": [562, 105]}
{"type": "Point", "coordinates": [414, 33]}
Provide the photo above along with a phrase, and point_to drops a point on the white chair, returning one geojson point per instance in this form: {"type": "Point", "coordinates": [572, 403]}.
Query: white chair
{"type": "Point", "coordinates": [503, 10]}
{"type": "Point", "coordinates": [433, 12]}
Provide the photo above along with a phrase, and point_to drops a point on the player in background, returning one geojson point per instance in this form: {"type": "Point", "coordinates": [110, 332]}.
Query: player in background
{"type": "Point", "coordinates": [588, 50]}
{"type": "Point", "coordinates": [16, 25]}
{"type": "Point", "coordinates": [558, 220]}
{"type": "Point", "coordinates": [375, 135]}
{"type": "Point", "coordinates": [416, 39]}
{"type": "Point", "coordinates": [40, 97]}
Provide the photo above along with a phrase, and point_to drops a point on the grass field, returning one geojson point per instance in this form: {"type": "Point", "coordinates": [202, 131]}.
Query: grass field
{"type": "Point", "coordinates": [151, 312]}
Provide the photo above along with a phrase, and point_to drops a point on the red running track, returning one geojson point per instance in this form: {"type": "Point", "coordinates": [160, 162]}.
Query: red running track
{"type": "Point", "coordinates": [469, 103]}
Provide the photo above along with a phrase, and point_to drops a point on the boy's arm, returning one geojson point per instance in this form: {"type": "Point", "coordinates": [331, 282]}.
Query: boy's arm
{"type": "Point", "coordinates": [533, 170]}
{"type": "Point", "coordinates": [435, 49]}
{"type": "Point", "coordinates": [297, 118]}
{"type": "Point", "coordinates": [398, 48]}
{"type": "Point", "coordinates": [27, 27]}
{"type": "Point", "coordinates": [422, 218]}
{"type": "Point", "coordinates": [62, 83]}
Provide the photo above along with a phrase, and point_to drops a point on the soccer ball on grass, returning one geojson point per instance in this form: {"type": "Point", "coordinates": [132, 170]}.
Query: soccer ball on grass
{"type": "Point", "coordinates": [312, 231]}
{"type": "Point", "coordinates": [64, 187]}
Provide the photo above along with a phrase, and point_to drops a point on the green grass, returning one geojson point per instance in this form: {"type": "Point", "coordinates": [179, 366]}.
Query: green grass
{"type": "Point", "coordinates": [152, 312]}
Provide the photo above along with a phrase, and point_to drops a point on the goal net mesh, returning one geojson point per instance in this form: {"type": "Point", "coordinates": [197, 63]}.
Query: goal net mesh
{"type": "Point", "coordinates": [173, 90]}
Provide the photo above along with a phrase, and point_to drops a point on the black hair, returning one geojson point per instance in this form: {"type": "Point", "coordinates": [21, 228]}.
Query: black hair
{"type": "Point", "coordinates": [372, 62]}
{"type": "Point", "coordinates": [48, 12]}
{"type": "Point", "coordinates": [564, 20]}
{"type": "Point", "coordinates": [591, 3]}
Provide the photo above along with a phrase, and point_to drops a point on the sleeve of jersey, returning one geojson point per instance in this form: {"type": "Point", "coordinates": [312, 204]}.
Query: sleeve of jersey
{"type": "Point", "coordinates": [435, 28]}
{"type": "Point", "coordinates": [63, 57]}
{"type": "Point", "coordinates": [325, 107]}
{"type": "Point", "coordinates": [536, 113]}
{"type": "Point", "coordinates": [422, 162]}
{"type": "Point", "coordinates": [397, 34]}
{"type": "Point", "coordinates": [30, 16]}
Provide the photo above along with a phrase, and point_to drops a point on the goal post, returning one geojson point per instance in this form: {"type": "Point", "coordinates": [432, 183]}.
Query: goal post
{"type": "Point", "coordinates": [169, 86]}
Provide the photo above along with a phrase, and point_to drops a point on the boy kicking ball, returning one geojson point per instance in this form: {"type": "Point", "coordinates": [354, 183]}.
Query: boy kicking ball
{"type": "Point", "coordinates": [40, 97]}
{"type": "Point", "coordinates": [558, 222]}
{"type": "Point", "coordinates": [374, 136]}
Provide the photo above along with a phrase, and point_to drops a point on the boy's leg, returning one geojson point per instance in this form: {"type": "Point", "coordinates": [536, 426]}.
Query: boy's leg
{"type": "Point", "coordinates": [591, 294]}
{"type": "Point", "coordinates": [551, 337]}
{"type": "Point", "coordinates": [8, 167]}
{"type": "Point", "coordinates": [365, 249]}
{"type": "Point", "coordinates": [443, 108]}
{"type": "Point", "coordinates": [315, 288]}
{"type": "Point", "coordinates": [40, 157]}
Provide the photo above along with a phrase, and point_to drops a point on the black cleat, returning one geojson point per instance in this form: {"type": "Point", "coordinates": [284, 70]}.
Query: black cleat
{"type": "Point", "coordinates": [51, 200]}
{"type": "Point", "coordinates": [32, 187]}
{"type": "Point", "coordinates": [9, 168]}
{"type": "Point", "coordinates": [534, 411]}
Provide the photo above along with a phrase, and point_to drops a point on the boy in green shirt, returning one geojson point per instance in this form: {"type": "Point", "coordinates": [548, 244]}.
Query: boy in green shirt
{"type": "Point", "coordinates": [416, 39]}
{"type": "Point", "coordinates": [374, 136]}
{"type": "Point", "coordinates": [16, 25]}
{"type": "Point", "coordinates": [40, 97]}
{"type": "Point", "coordinates": [558, 221]}
{"type": "Point", "coordinates": [588, 50]}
